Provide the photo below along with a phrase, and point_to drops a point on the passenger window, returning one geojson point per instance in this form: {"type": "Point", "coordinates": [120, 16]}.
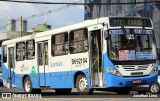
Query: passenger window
{"type": "Point", "coordinates": [4, 54]}
{"type": "Point", "coordinates": [79, 41]}
{"type": "Point", "coordinates": [30, 49]}
{"type": "Point", "coordinates": [20, 51]}
{"type": "Point", "coordinates": [60, 44]}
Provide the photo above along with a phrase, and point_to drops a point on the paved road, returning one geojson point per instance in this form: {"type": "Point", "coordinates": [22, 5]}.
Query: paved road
{"type": "Point", "coordinates": [97, 95]}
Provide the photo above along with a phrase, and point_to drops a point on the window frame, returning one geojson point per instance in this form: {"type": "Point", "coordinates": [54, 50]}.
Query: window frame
{"type": "Point", "coordinates": [64, 44]}
{"type": "Point", "coordinates": [72, 41]}
{"type": "Point", "coordinates": [5, 57]}
{"type": "Point", "coordinates": [24, 57]}
{"type": "Point", "coordinates": [27, 50]}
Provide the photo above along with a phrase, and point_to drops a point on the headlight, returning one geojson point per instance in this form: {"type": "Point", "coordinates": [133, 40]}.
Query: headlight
{"type": "Point", "coordinates": [154, 70]}
{"type": "Point", "coordinates": [114, 72]}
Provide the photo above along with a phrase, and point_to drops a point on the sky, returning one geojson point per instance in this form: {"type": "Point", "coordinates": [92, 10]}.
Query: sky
{"type": "Point", "coordinates": [71, 15]}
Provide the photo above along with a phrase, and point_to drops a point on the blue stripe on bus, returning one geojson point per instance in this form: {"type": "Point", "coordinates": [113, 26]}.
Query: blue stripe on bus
{"type": "Point", "coordinates": [65, 80]}
{"type": "Point", "coordinates": [56, 79]}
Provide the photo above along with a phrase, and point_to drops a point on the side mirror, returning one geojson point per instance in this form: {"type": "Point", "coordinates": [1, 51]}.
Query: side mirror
{"type": "Point", "coordinates": [106, 36]}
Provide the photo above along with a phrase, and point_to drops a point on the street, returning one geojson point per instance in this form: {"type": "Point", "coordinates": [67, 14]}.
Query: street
{"type": "Point", "coordinates": [74, 94]}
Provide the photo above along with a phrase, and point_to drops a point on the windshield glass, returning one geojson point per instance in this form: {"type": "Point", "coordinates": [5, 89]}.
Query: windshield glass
{"type": "Point", "coordinates": [132, 44]}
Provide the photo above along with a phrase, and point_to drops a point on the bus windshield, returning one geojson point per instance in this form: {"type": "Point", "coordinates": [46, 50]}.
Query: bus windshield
{"type": "Point", "coordinates": [132, 44]}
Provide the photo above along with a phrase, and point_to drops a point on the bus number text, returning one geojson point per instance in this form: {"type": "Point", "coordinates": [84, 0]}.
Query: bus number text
{"type": "Point", "coordinates": [79, 61]}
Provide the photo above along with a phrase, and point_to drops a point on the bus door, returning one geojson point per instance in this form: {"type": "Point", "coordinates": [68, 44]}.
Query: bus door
{"type": "Point", "coordinates": [42, 57]}
{"type": "Point", "coordinates": [11, 67]}
{"type": "Point", "coordinates": [96, 58]}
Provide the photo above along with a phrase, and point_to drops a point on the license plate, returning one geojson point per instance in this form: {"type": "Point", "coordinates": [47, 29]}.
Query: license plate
{"type": "Point", "coordinates": [137, 81]}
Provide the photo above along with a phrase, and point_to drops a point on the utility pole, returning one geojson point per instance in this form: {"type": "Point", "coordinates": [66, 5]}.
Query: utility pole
{"type": "Point", "coordinates": [20, 26]}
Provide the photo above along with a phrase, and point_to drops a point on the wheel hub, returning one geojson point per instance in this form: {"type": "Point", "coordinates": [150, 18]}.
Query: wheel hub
{"type": "Point", "coordinates": [83, 84]}
{"type": "Point", "coordinates": [154, 88]}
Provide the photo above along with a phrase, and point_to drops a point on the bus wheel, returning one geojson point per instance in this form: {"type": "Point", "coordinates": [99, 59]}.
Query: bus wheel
{"type": "Point", "coordinates": [122, 91]}
{"type": "Point", "coordinates": [154, 88]}
{"type": "Point", "coordinates": [66, 91]}
{"type": "Point", "coordinates": [27, 85]}
{"type": "Point", "coordinates": [82, 86]}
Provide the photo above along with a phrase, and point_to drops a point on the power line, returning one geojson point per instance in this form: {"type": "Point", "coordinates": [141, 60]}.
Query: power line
{"type": "Point", "coordinates": [40, 14]}
{"type": "Point", "coordinates": [48, 12]}
{"type": "Point", "coordinates": [94, 3]}
{"type": "Point", "coordinates": [44, 13]}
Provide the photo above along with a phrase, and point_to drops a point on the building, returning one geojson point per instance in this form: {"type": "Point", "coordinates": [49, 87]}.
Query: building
{"type": "Point", "coordinates": [41, 28]}
{"type": "Point", "coordinates": [11, 32]}
{"type": "Point", "coordinates": [149, 10]}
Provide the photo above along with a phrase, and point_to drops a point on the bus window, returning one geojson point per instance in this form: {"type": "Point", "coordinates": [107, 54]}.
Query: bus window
{"type": "Point", "coordinates": [30, 49]}
{"type": "Point", "coordinates": [11, 57]}
{"type": "Point", "coordinates": [4, 54]}
{"type": "Point", "coordinates": [78, 41]}
{"type": "Point", "coordinates": [20, 51]}
{"type": "Point", "coordinates": [60, 44]}
{"type": "Point", "coordinates": [40, 53]}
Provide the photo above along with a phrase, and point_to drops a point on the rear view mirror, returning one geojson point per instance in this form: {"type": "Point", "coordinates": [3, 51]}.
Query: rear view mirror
{"type": "Point", "coordinates": [106, 36]}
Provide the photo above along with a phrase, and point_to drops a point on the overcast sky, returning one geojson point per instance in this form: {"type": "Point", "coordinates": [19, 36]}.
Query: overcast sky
{"type": "Point", "coordinates": [67, 16]}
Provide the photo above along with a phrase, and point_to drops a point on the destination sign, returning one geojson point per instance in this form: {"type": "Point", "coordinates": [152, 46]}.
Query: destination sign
{"type": "Point", "coordinates": [114, 22]}
{"type": "Point", "coordinates": [141, 31]}
{"type": "Point", "coordinates": [118, 31]}
{"type": "Point", "coordinates": [127, 31]}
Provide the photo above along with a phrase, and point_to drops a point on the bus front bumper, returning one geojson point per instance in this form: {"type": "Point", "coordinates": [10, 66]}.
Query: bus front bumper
{"type": "Point", "coordinates": [117, 81]}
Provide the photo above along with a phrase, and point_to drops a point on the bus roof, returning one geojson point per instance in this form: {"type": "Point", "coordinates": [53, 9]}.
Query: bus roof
{"type": "Point", "coordinates": [64, 29]}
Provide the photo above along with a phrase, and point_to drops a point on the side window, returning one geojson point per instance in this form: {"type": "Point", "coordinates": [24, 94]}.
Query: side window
{"type": "Point", "coordinates": [79, 41]}
{"type": "Point", "coordinates": [30, 49]}
{"type": "Point", "coordinates": [20, 51]}
{"type": "Point", "coordinates": [4, 54]}
{"type": "Point", "coordinates": [60, 44]}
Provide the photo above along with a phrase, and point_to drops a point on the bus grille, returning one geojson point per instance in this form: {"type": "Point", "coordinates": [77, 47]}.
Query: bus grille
{"type": "Point", "coordinates": [135, 68]}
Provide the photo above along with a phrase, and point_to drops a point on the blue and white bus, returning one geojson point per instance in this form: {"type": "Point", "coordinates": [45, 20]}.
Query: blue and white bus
{"type": "Point", "coordinates": [0, 68]}
{"type": "Point", "coordinates": [87, 56]}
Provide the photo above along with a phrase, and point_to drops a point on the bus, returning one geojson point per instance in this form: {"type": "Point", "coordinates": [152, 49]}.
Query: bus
{"type": "Point", "coordinates": [0, 68]}
{"type": "Point", "coordinates": [159, 78]}
{"type": "Point", "coordinates": [86, 56]}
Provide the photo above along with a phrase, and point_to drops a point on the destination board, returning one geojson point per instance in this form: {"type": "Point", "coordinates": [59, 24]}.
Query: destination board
{"type": "Point", "coordinates": [114, 22]}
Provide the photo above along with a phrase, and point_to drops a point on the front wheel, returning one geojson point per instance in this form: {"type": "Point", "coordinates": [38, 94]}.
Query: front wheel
{"type": "Point", "coordinates": [154, 88]}
{"type": "Point", "coordinates": [82, 85]}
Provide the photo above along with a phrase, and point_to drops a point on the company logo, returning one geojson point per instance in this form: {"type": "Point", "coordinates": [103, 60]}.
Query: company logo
{"type": "Point", "coordinates": [6, 95]}
{"type": "Point", "coordinates": [10, 95]}
{"type": "Point", "coordinates": [136, 68]}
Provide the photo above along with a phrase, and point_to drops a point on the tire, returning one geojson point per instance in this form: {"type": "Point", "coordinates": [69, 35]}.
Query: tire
{"type": "Point", "coordinates": [122, 91]}
{"type": "Point", "coordinates": [66, 91]}
{"type": "Point", "coordinates": [27, 85]}
{"type": "Point", "coordinates": [82, 85]}
{"type": "Point", "coordinates": [141, 92]}
{"type": "Point", "coordinates": [154, 88]}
